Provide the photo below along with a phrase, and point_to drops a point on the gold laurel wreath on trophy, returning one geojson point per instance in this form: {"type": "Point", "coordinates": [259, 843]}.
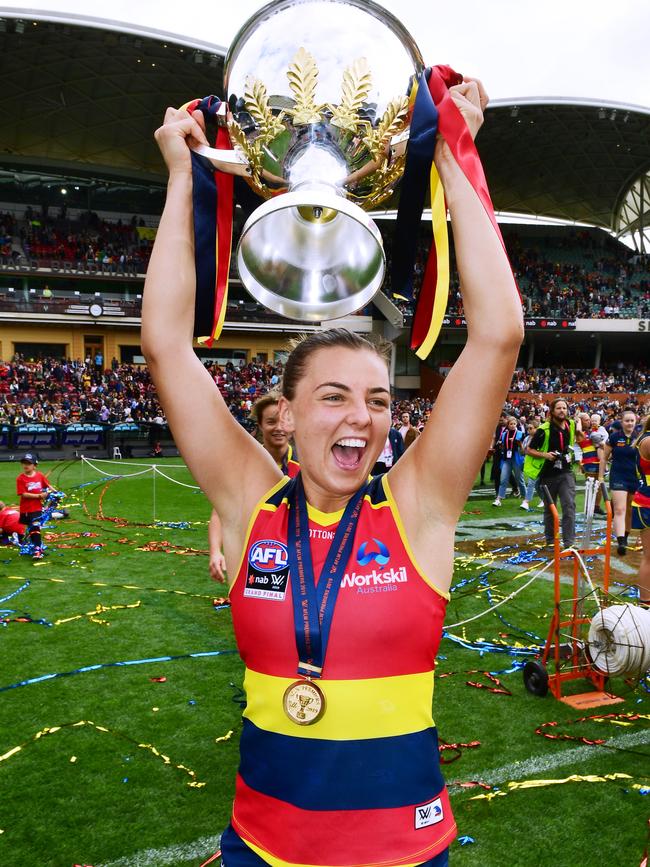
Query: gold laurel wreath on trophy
{"type": "Point", "coordinates": [346, 116]}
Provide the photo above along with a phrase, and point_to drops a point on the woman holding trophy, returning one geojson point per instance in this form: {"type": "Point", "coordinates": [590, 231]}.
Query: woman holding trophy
{"type": "Point", "coordinates": [339, 585]}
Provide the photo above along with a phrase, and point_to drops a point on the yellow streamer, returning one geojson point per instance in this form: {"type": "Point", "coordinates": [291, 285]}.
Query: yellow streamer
{"type": "Point", "coordinates": [100, 609]}
{"type": "Point", "coordinates": [574, 778]}
{"type": "Point", "coordinates": [536, 784]}
{"type": "Point", "coordinates": [50, 730]}
{"type": "Point", "coordinates": [441, 242]}
{"type": "Point", "coordinates": [125, 587]}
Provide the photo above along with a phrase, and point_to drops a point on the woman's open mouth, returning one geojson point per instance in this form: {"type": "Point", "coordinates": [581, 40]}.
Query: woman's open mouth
{"type": "Point", "coordinates": [348, 452]}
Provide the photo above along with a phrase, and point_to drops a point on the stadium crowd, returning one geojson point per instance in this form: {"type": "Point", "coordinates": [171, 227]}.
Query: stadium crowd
{"type": "Point", "coordinates": [622, 378]}
{"type": "Point", "coordinates": [55, 391]}
{"type": "Point", "coordinates": [579, 275]}
{"type": "Point", "coordinates": [582, 273]}
{"type": "Point", "coordinates": [114, 247]}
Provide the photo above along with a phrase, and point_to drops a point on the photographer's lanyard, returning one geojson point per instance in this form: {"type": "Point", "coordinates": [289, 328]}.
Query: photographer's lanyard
{"type": "Point", "coordinates": [314, 602]}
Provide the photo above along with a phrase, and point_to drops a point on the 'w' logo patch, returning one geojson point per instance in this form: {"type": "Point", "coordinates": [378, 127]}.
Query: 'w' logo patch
{"type": "Point", "coordinates": [429, 814]}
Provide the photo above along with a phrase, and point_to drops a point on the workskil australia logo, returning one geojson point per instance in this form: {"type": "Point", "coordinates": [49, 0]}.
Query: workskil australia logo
{"type": "Point", "coordinates": [376, 581]}
{"type": "Point", "coordinates": [377, 552]}
{"type": "Point", "coordinates": [268, 570]}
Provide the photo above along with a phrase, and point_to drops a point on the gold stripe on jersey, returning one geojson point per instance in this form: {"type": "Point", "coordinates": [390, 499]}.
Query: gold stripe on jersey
{"type": "Point", "coordinates": [356, 709]}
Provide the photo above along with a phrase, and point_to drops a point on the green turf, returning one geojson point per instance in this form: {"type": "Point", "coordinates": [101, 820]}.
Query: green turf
{"type": "Point", "coordinates": [117, 799]}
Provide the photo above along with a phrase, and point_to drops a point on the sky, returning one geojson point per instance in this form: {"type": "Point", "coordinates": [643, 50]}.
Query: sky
{"type": "Point", "coordinates": [593, 49]}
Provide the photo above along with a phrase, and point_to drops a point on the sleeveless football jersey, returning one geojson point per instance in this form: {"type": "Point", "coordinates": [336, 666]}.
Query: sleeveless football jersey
{"type": "Point", "coordinates": [623, 456]}
{"type": "Point", "coordinates": [362, 786]}
{"type": "Point", "coordinates": [590, 461]}
{"type": "Point", "coordinates": [289, 464]}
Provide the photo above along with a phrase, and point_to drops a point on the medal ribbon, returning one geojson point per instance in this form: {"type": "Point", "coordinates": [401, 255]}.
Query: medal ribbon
{"type": "Point", "coordinates": [314, 601]}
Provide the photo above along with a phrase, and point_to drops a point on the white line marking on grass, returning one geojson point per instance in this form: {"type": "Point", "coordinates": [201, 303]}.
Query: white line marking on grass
{"type": "Point", "coordinates": [625, 568]}
{"type": "Point", "coordinates": [202, 848]}
{"type": "Point", "coordinates": [550, 761]}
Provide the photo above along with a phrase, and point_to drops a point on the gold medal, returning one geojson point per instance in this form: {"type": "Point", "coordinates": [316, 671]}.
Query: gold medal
{"type": "Point", "coordinates": [304, 702]}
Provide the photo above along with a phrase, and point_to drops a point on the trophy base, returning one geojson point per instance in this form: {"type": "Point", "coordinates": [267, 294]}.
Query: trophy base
{"type": "Point", "coordinates": [311, 255]}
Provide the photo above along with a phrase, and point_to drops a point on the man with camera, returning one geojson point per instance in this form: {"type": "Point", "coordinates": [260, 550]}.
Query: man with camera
{"type": "Point", "coordinates": [548, 458]}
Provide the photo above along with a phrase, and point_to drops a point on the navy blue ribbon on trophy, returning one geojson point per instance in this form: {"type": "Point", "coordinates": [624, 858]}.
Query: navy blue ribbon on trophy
{"type": "Point", "coordinates": [414, 186]}
{"type": "Point", "coordinates": [314, 601]}
{"type": "Point", "coordinates": [212, 202]}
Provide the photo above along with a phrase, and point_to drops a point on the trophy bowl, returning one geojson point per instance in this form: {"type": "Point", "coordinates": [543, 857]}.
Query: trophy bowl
{"type": "Point", "coordinates": [319, 101]}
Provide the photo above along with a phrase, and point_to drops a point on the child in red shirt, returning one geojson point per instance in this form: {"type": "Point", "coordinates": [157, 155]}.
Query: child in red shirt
{"type": "Point", "coordinates": [32, 487]}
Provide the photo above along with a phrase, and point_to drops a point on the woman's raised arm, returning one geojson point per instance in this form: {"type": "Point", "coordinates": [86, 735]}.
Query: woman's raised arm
{"type": "Point", "coordinates": [229, 465]}
{"type": "Point", "coordinates": [432, 481]}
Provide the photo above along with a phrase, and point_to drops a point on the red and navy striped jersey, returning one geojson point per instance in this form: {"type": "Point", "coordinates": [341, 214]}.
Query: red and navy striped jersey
{"type": "Point", "coordinates": [362, 786]}
{"type": "Point", "coordinates": [589, 459]}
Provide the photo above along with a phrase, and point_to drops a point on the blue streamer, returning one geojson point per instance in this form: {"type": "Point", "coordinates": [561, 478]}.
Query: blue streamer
{"type": "Point", "coordinates": [15, 592]}
{"type": "Point", "coordinates": [100, 665]}
{"type": "Point", "coordinates": [489, 647]}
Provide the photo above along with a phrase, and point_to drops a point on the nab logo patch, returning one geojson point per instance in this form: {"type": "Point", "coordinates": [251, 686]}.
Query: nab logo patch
{"type": "Point", "coordinates": [268, 571]}
{"type": "Point", "coordinates": [429, 814]}
{"type": "Point", "coordinates": [381, 556]}
{"type": "Point", "coordinates": [268, 555]}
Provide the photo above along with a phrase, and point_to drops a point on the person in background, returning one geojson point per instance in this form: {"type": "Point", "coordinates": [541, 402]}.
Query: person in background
{"type": "Point", "coordinates": [641, 510]}
{"type": "Point", "coordinates": [11, 528]}
{"type": "Point", "coordinates": [32, 487]}
{"type": "Point", "coordinates": [589, 442]}
{"type": "Point", "coordinates": [548, 459]}
{"type": "Point", "coordinates": [510, 443]}
{"type": "Point", "coordinates": [623, 480]}
{"type": "Point", "coordinates": [408, 430]}
{"type": "Point", "coordinates": [495, 450]}
{"type": "Point", "coordinates": [599, 434]}
{"type": "Point", "coordinates": [393, 450]}
{"type": "Point", "coordinates": [275, 440]}
{"type": "Point", "coordinates": [530, 484]}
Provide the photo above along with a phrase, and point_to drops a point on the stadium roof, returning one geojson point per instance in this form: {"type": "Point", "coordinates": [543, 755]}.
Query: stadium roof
{"type": "Point", "coordinates": [86, 95]}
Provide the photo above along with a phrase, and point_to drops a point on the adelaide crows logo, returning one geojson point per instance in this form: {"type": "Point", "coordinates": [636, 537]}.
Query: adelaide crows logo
{"type": "Point", "coordinates": [381, 556]}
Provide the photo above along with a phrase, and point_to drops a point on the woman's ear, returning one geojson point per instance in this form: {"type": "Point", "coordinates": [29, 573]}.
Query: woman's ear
{"type": "Point", "coordinates": [286, 415]}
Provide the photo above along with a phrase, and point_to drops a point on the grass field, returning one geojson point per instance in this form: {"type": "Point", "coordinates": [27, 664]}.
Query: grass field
{"type": "Point", "coordinates": [115, 789]}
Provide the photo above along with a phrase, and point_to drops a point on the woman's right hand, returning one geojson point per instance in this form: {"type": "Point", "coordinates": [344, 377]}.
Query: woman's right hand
{"type": "Point", "coordinates": [218, 567]}
{"type": "Point", "coordinates": [178, 133]}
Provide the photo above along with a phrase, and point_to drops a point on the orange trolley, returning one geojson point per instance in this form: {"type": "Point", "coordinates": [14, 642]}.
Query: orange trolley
{"type": "Point", "coordinates": [565, 656]}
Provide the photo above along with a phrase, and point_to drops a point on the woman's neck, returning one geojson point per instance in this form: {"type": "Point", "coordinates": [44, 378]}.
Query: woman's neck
{"type": "Point", "coordinates": [277, 452]}
{"type": "Point", "coordinates": [323, 500]}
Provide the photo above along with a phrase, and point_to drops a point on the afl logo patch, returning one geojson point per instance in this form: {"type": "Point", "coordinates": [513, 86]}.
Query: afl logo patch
{"type": "Point", "coordinates": [268, 555]}
{"type": "Point", "coordinates": [268, 570]}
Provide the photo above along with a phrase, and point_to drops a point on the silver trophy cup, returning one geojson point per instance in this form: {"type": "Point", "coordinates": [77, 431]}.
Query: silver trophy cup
{"type": "Point", "coordinates": [320, 96]}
